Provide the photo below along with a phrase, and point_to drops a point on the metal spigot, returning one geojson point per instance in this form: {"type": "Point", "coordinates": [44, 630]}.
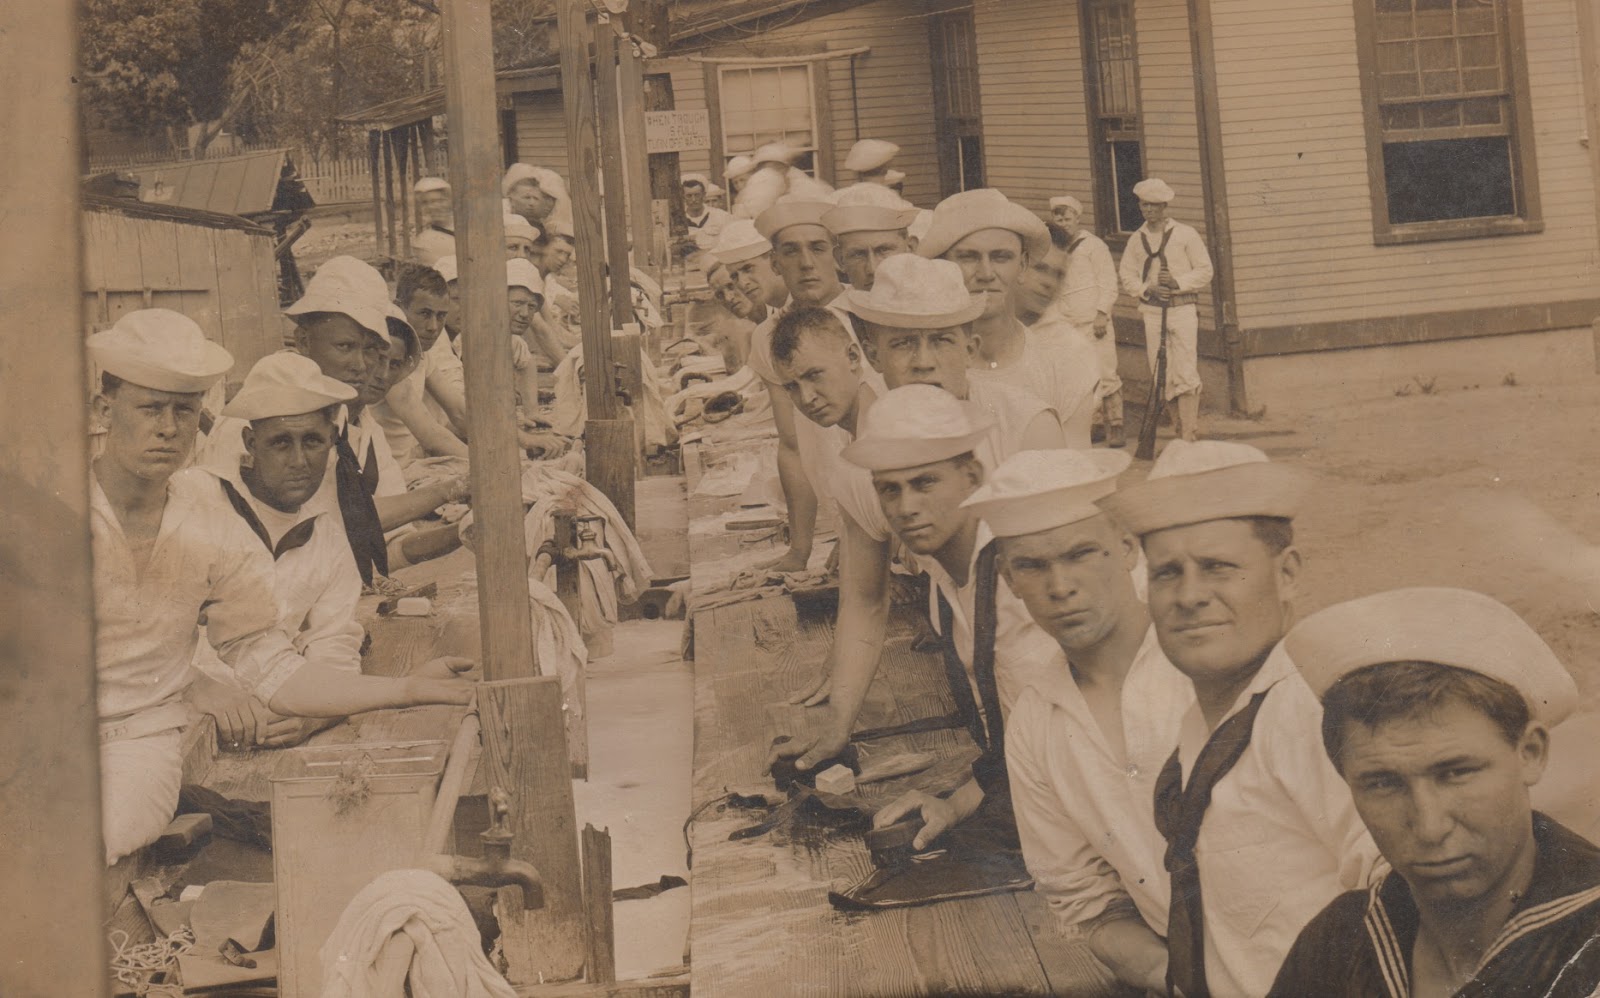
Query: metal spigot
{"type": "Point", "coordinates": [495, 868]}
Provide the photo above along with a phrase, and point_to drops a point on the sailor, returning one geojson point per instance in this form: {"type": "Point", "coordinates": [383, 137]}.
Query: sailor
{"type": "Point", "coordinates": [802, 256]}
{"type": "Point", "coordinates": [705, 222]}
{"type": "Point", "coordinates": [1436, 709]}
{"type": "Point", "coordinates": [166, 549]}
{"type": "Point", "coordinates": [993, 240]}
{"type": "Point", "coordinates": [734, 174]}
{"type": "Point", "coordinates": [748, 256]}
{"type": "Point", "coordinates": [522, 238]}
{"type": "Point", "coordinates": [534, 192]}
{"type": "Point", "coordinates": [347, 324]}
{"type": "Point", "coordinates": [1260, 830]}
{"type": "Point", "coordinates": [869, 225]}
{"type": "Point", "coordinates": [1037, 289]}
{"type": "Point", "coordinates": [437, 236]}
{"type": "Point", "coordinates": [870, 159]}
{"type": "Point", "coordinates": [1084, 745]}
{"type": "Point", "coordinates": [776, 175]}
{"type": "Point", "coordinates": [915, 323]}
{"type": "Point", "coordinates": [418, 412]}
{"type": "Point", "coordinates": [1085, 301]}
{"type": "Point", "coordinates": [1164, 268]}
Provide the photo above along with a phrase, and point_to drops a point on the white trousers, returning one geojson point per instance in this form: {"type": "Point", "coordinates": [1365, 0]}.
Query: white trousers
{"type": "Point", "coordinates": [1183, 361]}
{"type": "Point", "coordinates": [139, 782]}
{"type": "Point", "coordinates": [1105, 350]}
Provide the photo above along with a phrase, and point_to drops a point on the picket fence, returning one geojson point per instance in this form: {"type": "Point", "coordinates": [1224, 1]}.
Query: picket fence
{"type": "Point", "coordinates": [330, 180]}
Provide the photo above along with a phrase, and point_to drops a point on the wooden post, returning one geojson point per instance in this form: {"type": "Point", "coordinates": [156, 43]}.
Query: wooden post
{"type": "Point", "coordinates": [525, 754]}
{"type": "Point", "coordinates": [374, 142]}
{"type": "Point", "coordinates": [614, 203]}
{"type": "Point", "coordinates": [608, 434]}
{"type": "Point", "coordinates": [601, 966]}
{"type": "Point", "coordinates": [630, 81]}
{"type": "Point", "coordinates": [386, 139]}
{"type": "Point", "coordinates": [496, 466]}
{"type": "Point", "coordinates": [402, 141]}
{"type": "Point", "coordinates": [52, 869]}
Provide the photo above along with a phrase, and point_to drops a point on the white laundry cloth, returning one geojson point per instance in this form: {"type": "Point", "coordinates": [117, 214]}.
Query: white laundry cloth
{"type": "Point", "coordinates": [449, 960]}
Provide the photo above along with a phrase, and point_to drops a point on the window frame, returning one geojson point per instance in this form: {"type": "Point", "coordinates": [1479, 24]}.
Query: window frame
{"type": "Point", "coordinates": [1101, 158]}
{"type": "Point", "coordinates": [1524, 163]}
{"type": "Point", "coordinates": [816, 89]}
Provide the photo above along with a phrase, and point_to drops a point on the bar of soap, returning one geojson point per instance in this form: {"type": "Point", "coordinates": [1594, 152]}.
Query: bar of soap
{"type": "Point", "coordinates": [413, 606]}
{"type": "Point", "coordinates": [836, 780]}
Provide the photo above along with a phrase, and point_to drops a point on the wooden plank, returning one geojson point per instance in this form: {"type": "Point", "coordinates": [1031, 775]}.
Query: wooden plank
{"type": "Point", "coordinates": [386, 140]}
{"type": "Point", "coordinates": [525, 753]}
{"type": "Point", "coordinates": [197, 268]}
{"type": "Point", "coordinates": [614, 179]}
{"type": "Point", "coordinates": [401, 141]}
{"type": "Point", "coordinates": [374, 152]}
{"type": "Point", "coordinates": [601, 964]}
{"type": "Point", "coordinates": [50, 868]}
{"type": "Point", "coordinates": [1428, 327]}
{"type": "Point", "coordinates": [630, 81]}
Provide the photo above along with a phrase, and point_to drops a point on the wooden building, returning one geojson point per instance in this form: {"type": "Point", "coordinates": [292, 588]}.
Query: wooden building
{"type": "Point", "coordinates": [1394, 190]}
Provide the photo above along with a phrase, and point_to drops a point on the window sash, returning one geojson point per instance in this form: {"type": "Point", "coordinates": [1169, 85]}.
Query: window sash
{"type": "Point", "coordinates": [761, 104]}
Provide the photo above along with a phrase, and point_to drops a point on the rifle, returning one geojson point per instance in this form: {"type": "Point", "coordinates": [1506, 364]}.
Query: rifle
{"type": "Point", "coordinates": [1158, 391]}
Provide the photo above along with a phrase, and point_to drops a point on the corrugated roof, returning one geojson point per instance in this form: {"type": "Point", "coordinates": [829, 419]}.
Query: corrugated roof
{"type": "Point", "coordinates": [172, 213]}
{"type": "Point", "coordinates": [228, 185]}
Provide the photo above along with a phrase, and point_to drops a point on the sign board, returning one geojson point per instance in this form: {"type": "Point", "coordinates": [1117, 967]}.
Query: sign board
{"type": "Point", "coordinates": [677, 131]}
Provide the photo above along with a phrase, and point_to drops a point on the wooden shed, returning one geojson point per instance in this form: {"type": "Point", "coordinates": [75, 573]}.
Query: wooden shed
{"type": "Point", "coordinates": [220, 270]}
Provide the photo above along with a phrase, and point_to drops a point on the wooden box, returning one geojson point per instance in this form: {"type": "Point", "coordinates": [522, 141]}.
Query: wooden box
{"type": "Point", "coordinates": [342, 815]}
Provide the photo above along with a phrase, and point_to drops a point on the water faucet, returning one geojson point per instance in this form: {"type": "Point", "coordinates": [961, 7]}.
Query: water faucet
{"type": "Point", "coordinates": [495, 868]}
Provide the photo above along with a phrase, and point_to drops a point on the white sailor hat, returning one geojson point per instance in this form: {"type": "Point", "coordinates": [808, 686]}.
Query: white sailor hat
{"type": "Point", "coordinates": [960, 215]}
{"type": "Point", "coordinates": [1454, 627]}
{"type": "Point", "coordinates": [1067, 201]}
{"type": "Point", "coordinates": [1037, 490]}
{"type": "Point", "coordinates": [910, 292]}
{"type": "Point", "coordinates": [870, 154]}
{"type": "Point", "coordinates": [286, 384]}
{"type": "Point", "coordinates": [522, 274]}
{"type": "Point", "coordinates": [427, 184]}
{"type": "Point", "coordinates": [738, 167]}
{"type": "Point", "coordinates": [892, 177]}
{"type": "Point", "coordinates": [775, 152]}
{"type": "Point", "coordinates": [1153, 190]}
{"type": "Point", "coordinates": [550, 181]}
{"type": "Point", "coordinates": [160, 349]}
{"type": "Point", "coordinates": [869, 208]}
{"type": "Point", "coordinates": [1208, 480]}
{"type": "Point", "coordinates": [740, 241]}
{"type": "Point", "coordinates": [920, 225]}
{"type": "Point", "coordinates": [696, 178]}
{"type": "Point", "coordinates": [915, 425]}
{"type": "Point", "coordinates": [516, 225]}
{"type": "Point", "coordinates": [790, 210]}
{"type": "Point", "coordinates": [353, 288]}
{"type": "Point", "coordinates": [446, 266]}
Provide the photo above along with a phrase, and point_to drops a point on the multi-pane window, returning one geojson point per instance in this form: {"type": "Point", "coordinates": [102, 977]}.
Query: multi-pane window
{"type": "Point", "coordinates": [1443, 78]}
{"type": "Point", "coordinates": [1110, 68]}
{"type": "Point", "coordinates": [958, 111]}
{"type": "Point", "coordinates": [762, 104]}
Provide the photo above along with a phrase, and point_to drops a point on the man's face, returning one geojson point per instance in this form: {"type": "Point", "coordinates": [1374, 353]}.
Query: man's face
{"type": "Point", "coordinates": [923, 504]}
{"type": "Point", "coordinates": [530, 201]}
{"type": "Point", "coordinates": [1218, 595]}
{"type": "Point", "coordinates": [823, 377]}
{"type": "Point", "coordinates": [727, 292]}
{"type": "Point", "coordinates": [920, 356]}
{"type": "Point", "coordinates": [557, 254]}
{"type": "Point", "coordinates": [149, 433]}
{"type": "Point", "coordinates": [524, 306]}
{"type": "Point", "coordinates": [1068, 219]}
{"type": "Point", "coordinates": [1445, 796]}
{"type": "Point", "coordinates": [859, 254]}
{"type": "Point", "coordinates": [1073, 579]}
{"type": "Point", "coordinates": [344, 349]}
{"type": "Point", "coordinates": [1154, 212]}
{"type": "Point", "coordinates": [1041, 281]}
{"type": "Point", "coordinates": [757, 281]}
{"type": "Point", "coordinates": [694, 199]}
{"type": "Point", "coordinates": [289, 456]}
{"type": "Point", "coordinates": [803, 256]}
{"type": "Point", "coordinates": [521, 247]}
{"type": "Point", "coordinates": [427, 314]}
{"type": "Point", "coordinates": [396, 365]}
{"type": "Point", "coordinates": [991, 260]}
{"type": "Point", "coordinates": [434, 207]}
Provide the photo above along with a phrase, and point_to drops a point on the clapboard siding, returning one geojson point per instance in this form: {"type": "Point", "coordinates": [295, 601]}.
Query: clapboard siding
{"type": "Point", "coordinates": [1296, 160]}
{"type": "Point", "coordinates": [893, 94]}
{"type": "Point", "coordinates": [1035, 123]}
{"type": "Point", "coordinates": [542, 130]}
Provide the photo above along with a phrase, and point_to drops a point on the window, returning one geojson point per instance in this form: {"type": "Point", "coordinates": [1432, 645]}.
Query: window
{"type": "Point", "coordinates": [957, 109]}
{"type": "Point", "coordinates": [762, 104]}
{"type": "Point", "coordinates": [1448, 131]}
{"type": "Point", "coordinates": [1112, 78]}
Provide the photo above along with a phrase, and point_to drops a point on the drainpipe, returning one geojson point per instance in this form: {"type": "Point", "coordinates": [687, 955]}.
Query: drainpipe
{"type": "Point", "coordinates": [1214, 180]}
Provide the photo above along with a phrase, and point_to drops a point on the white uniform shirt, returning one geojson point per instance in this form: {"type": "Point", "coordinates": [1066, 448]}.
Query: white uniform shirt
{"type": "Point", "coordinates": [147, 619]}
{"type": "Point", "coordinates": [1281, 838]}
{"type": "Point", "coordinates": [1084, 810]}
{"type": "Point", "coordinates": [708, 226]}
{"type": "Point", "coordinates": [1091, 284]}
{"type": "Point", "coordinates": [1186, 258]}
{"type": "Point", "coordinates": [1021, 647]}
{"type": "Point", "coordinates": [1011, 412]}
{"type": "Point", "coordinates": [317, 585]}
{"type": "Point", "coordinates": [1058, 370]}
{"type": "Point", "coordinates": [430, 243]}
